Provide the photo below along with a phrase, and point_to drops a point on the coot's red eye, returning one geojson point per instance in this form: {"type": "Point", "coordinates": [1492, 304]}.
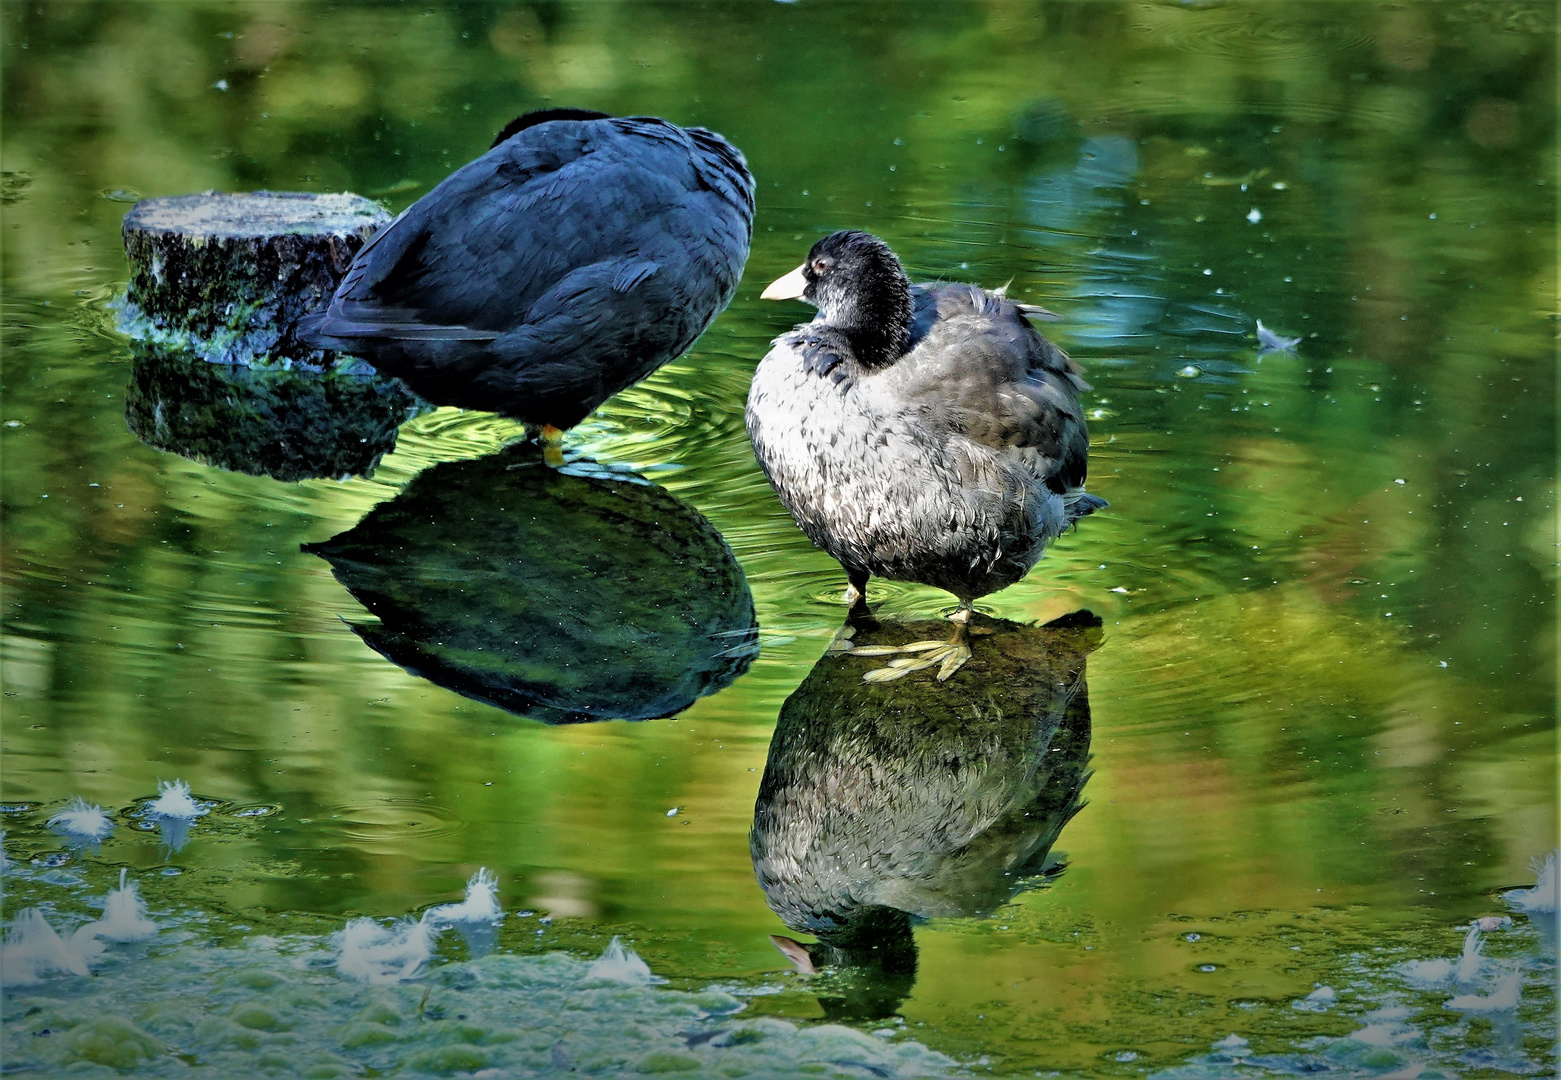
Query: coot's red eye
{"type": "Point", "coordinates": [819, 266]}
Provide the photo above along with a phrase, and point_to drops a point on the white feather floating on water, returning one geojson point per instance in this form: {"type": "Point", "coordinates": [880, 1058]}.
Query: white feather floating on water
{"type": "Point", "coordinates": [124, 914]}
{"type": "Point", "coordinates": [1542, 898]}
{"type": "Point", "coordinates": [33, 950]}
{"type": "Point", "coordinates": [1502, 999]}
{"type": "Point", "coordinates": [173, 801]}
{"type": "Point", "coordinates": [480, 906]}
{"type": "Point", "coordinates": [1273, 342]}
{"type": "Point", "coordinates": [1471, 961]}
{"type": "Point", "coordinates": [621, 965]}
{"type": "Point", "coordinates": [381, 955]}
{"type": "Point", "coordinates": [1426, 974]}
{"type": "Point", "coordinates": [82, 821]}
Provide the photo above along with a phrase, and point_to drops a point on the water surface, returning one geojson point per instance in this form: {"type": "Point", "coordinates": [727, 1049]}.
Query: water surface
{"type": "Point", "coordinates": [1321, 708]}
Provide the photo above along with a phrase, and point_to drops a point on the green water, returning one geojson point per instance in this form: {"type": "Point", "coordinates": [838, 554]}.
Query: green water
{"type": "Point", "coordinates": [1321, 709]}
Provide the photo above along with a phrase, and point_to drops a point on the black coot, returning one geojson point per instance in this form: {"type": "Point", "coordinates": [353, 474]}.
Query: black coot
{"type": "Point", "coordinates": [574, 258]}
{"type": "Point", "coordinates": [918, 432]}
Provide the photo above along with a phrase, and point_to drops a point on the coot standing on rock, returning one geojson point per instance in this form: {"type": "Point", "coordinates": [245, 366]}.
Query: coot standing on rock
{"type": "Point", "coordinates": [918, 432]}
{"type": "Point", "coordinates": [574, 258]}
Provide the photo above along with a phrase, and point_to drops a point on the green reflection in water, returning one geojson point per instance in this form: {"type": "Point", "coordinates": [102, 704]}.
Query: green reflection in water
{"type": "Point", "coordinates": [1278, 750]}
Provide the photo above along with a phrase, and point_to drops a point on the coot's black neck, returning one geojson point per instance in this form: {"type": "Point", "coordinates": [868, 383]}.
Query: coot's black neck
{"type": "Point", "coordinates": [875, 316]}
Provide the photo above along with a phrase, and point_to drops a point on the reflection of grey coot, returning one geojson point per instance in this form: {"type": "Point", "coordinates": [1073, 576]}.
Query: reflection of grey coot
{"type": "Point", "coordinates": [884, 802]}
{"type": "Point", "coordinates": [575, 257]}
{"type": "Point", "coordinates": [559, 597]}
{"type": "Point", "coordinates": [266, 421]}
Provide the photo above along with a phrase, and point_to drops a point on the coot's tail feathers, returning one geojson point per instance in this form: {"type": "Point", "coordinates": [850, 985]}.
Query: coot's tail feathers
{"type": "Point", "coordinates": [324, 332]}
{"type": "Point", "coordinates": [309, 330]}
{"type": "Point", "coordinates": [1081, 504]}
{"type": "Point", "coordinates": [1037, 312]}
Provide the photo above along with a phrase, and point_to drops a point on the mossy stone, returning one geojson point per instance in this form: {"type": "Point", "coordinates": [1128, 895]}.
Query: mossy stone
{"type": "Point", "coordinates": [663, 1062]}
{"type": "Point", "coordinates": [445, 1060]}
{"type": "Point", "coordinates": [228, 275]}
{"type": "Point", "coordinates": [110, 1040]}
{"type": "Point", "coordinates": [357, 1036]}
{"type": "Point", "coordinates": [257, 1017]}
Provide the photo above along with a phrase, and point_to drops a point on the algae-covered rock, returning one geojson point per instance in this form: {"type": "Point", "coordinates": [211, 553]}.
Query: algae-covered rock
{"type": "Point", "coordinates": [447, 1060]}
{"type": "Point", "coordinates": [110, 1040]}
{"type": "Point", "coordinates": [561, 597]}
{"type": "Point", "coordinates": [884, 802]}
{"type": "Point", "coordinates": [226, 276]}
{"type": "Point", "coordinates": [287, 423]}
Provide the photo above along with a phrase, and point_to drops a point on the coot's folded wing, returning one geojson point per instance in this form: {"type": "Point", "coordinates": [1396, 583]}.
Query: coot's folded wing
{"type": "Point", "coordinates": [493, 228]}
{"type": "Point", "coordinates": [999, 383]}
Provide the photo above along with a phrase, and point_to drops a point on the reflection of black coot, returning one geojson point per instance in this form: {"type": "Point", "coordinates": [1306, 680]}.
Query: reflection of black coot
{"type": "Point", "coordinates": [289, 424]}
{"type": "Point", "coordinates": [884, 802]}
{"type": "Point", "coordinates": [559, 597]}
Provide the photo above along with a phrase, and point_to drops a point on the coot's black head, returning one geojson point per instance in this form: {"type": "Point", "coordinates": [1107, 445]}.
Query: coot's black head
{"type": "Point", "coordinates": [859, 287]}
{"type": "Point", "coordinates": [542, 116]}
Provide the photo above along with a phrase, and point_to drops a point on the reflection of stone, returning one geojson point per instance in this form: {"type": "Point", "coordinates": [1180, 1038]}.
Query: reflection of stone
{"type": "Point", "coordinates": [884, 802]}
{"type": "Point", "coordinates": [557, 596]}
{"type": "Point", "coordinates": [288, 424]}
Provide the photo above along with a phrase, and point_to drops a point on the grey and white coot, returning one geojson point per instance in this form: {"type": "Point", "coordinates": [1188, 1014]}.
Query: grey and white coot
{"type": "Point", "coordinates": [574, 258]}
{"type": "Point", "coordinates": [920, 433]}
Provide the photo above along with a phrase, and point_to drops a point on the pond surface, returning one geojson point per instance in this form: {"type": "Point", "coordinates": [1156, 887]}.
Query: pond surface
{"type": "Point", "coordinates": [1312, 737]}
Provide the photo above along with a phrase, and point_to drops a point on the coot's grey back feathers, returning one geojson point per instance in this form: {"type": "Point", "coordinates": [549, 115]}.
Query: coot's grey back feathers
{"type": "Point", "coordinates": [978, 369]}
{"type": "Point", "coordinates": [570, 260]}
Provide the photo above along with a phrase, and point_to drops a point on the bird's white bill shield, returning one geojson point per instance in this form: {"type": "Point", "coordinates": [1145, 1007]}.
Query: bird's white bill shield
{"type": "Point", "coordinates": [790, 287]}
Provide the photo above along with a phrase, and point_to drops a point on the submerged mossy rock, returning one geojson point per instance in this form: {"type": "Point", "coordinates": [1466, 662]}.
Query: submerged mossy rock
{"type": "Point", "coordinates": [557, 596]}
{"type": "Point", "coordinates": [884, 802]}
{"type": "Point", "coordinates": [284, 423]}
{"type": "Point", "coordinates": [227, 276]}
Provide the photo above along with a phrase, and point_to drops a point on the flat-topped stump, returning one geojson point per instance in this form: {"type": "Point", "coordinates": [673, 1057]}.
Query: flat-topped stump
{"type": "Point", "coordinates": [227, 276]}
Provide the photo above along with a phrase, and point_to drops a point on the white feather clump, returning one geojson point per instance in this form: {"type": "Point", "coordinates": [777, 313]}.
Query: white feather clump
{"type": "Point", "coordinates": [1426, 974]}
{"type": "Point", "coordinates": [621, 965]}
{"type": "Point", "coordinates": [1542, 898]}
{"type": "Point", "coordinates": [33, 951]}
{"type": "Point", "coordinates": [1471, 961]}
{"type": "Point", "coordinates": [480, 906]}
{"type": "Point", "coordinates": [381, 955]}
{"type": "Point", "coordinates": [124, 914]}
{"type": "Point", "coordinates": [1502, 999]}
{"type": "Point", "coordinates": [173, 801]}
{"type": "Point", "coordinates": [82, 821]}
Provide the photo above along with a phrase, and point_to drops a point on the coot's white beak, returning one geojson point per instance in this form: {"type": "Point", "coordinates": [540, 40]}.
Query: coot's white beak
{"type": "Point", "coordinates": [790, 287]}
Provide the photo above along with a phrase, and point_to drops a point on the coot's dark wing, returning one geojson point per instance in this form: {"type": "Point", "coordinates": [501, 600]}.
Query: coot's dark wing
{"type": "Point", "coordinates": [982, 371]}
{"type": "Point", "coordinates": [470, 259]}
